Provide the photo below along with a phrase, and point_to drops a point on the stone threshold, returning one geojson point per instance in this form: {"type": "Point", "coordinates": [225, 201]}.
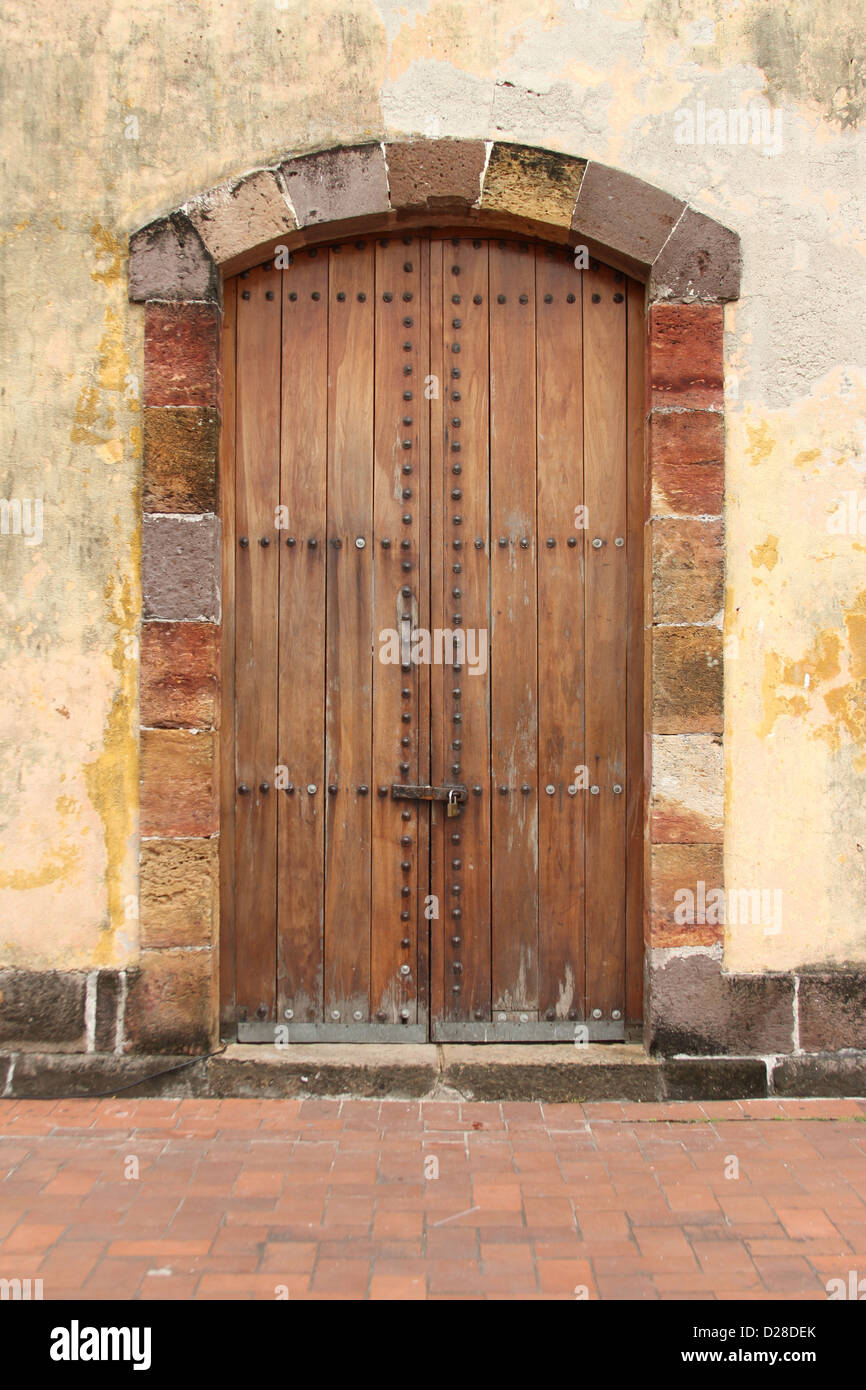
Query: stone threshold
{"type": "Point", "coordinates": [557, 1072]}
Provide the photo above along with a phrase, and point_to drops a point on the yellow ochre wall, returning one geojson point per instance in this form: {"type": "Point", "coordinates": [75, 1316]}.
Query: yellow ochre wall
{"type": "Point", "coordinates": [116, 113]}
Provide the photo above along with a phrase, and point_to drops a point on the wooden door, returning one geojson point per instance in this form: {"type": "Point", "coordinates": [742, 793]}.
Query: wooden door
{"type": "Point", "coordinates": [435, 555]}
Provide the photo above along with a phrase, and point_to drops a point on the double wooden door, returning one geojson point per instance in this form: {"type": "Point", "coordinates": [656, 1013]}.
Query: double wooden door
{"type": "Point", "coordinates": [433, 573]}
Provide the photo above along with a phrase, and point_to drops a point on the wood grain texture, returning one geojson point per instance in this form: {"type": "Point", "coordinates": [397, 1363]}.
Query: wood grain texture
{"type": "Point", "coordinates": [303, 479]}
{"type": "Point", "coordinates": [605, 436]}
{"type": "Point", "coordinates": [561, 674]}
{"type": "Point", "coordinates": [257, 574]}
{"type": "Point", "coordinates": [513, 628]}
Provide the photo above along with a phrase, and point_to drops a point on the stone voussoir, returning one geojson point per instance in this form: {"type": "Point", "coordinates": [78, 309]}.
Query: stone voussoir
{"type": "Point", "coordinates": [169, 260]}
{"type": "Point", "coordinates": [337, 185]}
{"type": "Point", "coordinates": [435, 174]}
{"type": "Point", "coordinates": [236, 216]}
{"type": "Point", "coordinates": [621, 211]}
{"type": "Point", "coordinates": [541, 185]}
{"type": "Point", "coordinates": [701, 261]}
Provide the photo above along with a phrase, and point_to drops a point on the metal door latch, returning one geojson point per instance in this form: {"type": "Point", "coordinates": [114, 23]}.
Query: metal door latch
{"type": "Point", "coordinates": [454, 794]}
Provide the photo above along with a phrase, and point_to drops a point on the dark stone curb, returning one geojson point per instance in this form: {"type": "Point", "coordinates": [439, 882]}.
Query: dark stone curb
{"type": "Point", "coordinates": [427, 1070]}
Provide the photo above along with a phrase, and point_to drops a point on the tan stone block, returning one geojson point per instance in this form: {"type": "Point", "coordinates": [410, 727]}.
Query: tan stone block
{"type": "Point", "coordinates": [179, 675]}
{"type": "Point", "coordinates": [179, 783]}
{"type": "Point", "coordinates": [687, 681]}
{"type": "Point", "coordinates": [237, 216]}
{"type": "Point", "coordinates": [179, 892]}
{"type": "Point", "coordinates": [172, 1003]}
{"type": "Point", "coordinates": [180, 460]}
{"type": "Point", "coordinates": [538, 184]}
{"type": "Point", "coordinates": [688, 570]}
{"type": "Point", "coordinates": [680, 870]}
{"type": "Point", "coordinates": [435, 173]}
{"type": "Point", "coordinates": [688, 789]}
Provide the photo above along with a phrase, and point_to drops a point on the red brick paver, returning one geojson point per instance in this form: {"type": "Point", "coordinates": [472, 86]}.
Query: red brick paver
{"type": "Point", "coordinates": [206, 1199]}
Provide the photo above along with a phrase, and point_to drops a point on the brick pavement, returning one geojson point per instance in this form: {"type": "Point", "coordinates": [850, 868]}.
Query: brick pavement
{"type": "Point", "coordinates": [339, 1199]}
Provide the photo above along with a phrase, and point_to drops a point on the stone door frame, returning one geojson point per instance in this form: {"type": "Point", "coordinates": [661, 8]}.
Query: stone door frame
{"type": "Point", "coordinates": [691, 267]}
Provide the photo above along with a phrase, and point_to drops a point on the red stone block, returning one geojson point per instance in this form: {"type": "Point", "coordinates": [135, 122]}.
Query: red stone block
{"type": "Point", "coordinates": [181, 354]}
{"type": "Point", "coordinates": [684, 362]}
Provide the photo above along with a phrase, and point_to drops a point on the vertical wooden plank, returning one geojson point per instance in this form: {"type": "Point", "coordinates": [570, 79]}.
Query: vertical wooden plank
{"type": "Point", "coordinates": [440, 565]}
{"type": "Point", "coordinates": [461, 738]}
{"type": "Point", "coordinates": [635, 797]}
{"type": "Point", "coordinates": [349, 635]}
{"type": "Point", "coordinates": [605, 435]}
{"type": "Point", "coordinates": [401, 479]}
{"type": "Point", "coordinates": [257, 473]}
{"type": "Point", "coordinates": [561, 676]}
{"type": "Point", "coordinates": [513, 622]}
{"type": "Point", "coordinates": [227, 920]}
{"type": "Point", "coordinates": [303, 477]}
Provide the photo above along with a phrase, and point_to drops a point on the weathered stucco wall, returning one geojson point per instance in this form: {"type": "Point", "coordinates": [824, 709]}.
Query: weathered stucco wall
{"type": "Point", "coordinates": [115, 113]}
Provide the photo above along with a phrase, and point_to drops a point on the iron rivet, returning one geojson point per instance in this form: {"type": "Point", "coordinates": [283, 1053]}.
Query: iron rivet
{"type": "Point", "coordinates": [315, 295]}
{"type": "Point", "coordinates": [526, 789]}
{"type": "Point", "coordinates": [405, 942]}
{"type": "Point", "coordinates": [569, 298]}
{"type": "Point", "coordinates": [261, 1011]}
{"type": "Point", "coordinates": [550, 789]}
{"type": "Point", "coordinates": [407, 297]}
{"type": "Point", "coordinates": [457, 912]}
{"type": "Point", "coordinates": [387, 296]}
{"type": "Point", "coordinates": [596, 299]}
{"type": "Point", "coordinates": [503, 540]}
{"type": "Point", "coordinates": [269, 294]}
{"type": "Point", "coordinates": [524, 1018]}
{"type": "Point", "coordinates": [289, 1013]}
{"type": "Point", "coordinates": [618, 298]}
{"type": "Point", "coordinates": [386, 544]}
{"type": "Point", "coordinates": [548, 299]}
{"type": "Point", "coordinates": [524, 299]}
{"type": "Point", "coordinates": [243, 789]}
{"type": "Point", "coordinates": [381, 1015]}
{"type": "Point", "coordinates": [335, 1013]}
{"type": "Point", "coordinates": [290, 541]}
{"type": "Point", "coordinates": [616, 788]}
{"type": "Point", "coordinates": [597, 543]}
{"type": "Point", "coordinates": [476, 299]}
{"type": "Point", "coordinates": [332, 788]}
{"type": "Point", "coordinates": [503, 791]}
{"type": "Point", "coordinates": [357, 1015]}
{"type": "Point", "coordinates": [293, 296]}
{"type": "Point", "coordinates": [479, 543]}
{"type": "Point", "coordinates": [363, 789]}
{"type": "Point", "coordinates": [404, 916]}
{"type": "Point", "coordinates": [290, 789]}
{"type": "Point", "coordinates": [361, 297]}
{"type": "Point", "coordinates": [312, 789]}
{"type": "Point", "coordinates": [360, 542]}
{"type": "Point", "coordinates": [593, 791]}
{"type": "Point", "coordinates": [524, 544]}
{"type": "Point", "coordinates": [407, 519]}
{"type": "Point", "coordinates": [245, 294]}
{"type": "Point", "coordinates": [404, 969]}
{"type": "Point", "coordinates": [476, 791]}
{"type": "Point", "coordinates": [615, 1013]}
{"type": "Point", "coordinates": [312, 544]}
{"type": "Point", "coordinates": [551, 542]}
{"type": "Point", "coordinates": [596, 1013]}
{"type": "Point", "coordinates": [264, 786]}
{"type": "Point", "coordinates": [572, 541]}
{"type": "Point", "coordinates": [500, 1018]}
{"type": "Point", "coordinates": [243, 542]}
{"type": "Point", "coordinates": [620, 540]}
{"type": "Point", "coordinates": [404, 1014]}
{"type": "Point", "coordinates": [457, 941]}
{"type": "Point", "coordinates": [341, 295]}
{"type": "Point", "coordinates": [264, 541]}
{"type": "Point", "coordinates": [337, 543]}
{"type": "Point", "coordinates": [572, 789]}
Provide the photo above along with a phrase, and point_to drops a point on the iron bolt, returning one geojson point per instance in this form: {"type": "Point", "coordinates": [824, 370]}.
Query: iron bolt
{"type": "Point", "coordinates": [550, 789]}
{"type": "Point", "coordinates": [594, 791]}
{"type": "Point", "coordinates": [619, 541]}
{"type": "Point", "coordinates": [243, 789]}
{"type": "Point", "coordinates": [360, 542]}
{"type": "Point", "coordinates": [597, 543]}
{"type": "Point", "coordinates": [312, 789]}
{"type": "Point", "coordinates": [596, 1013]}
{"type": "Point", "coordinates": [615, 1013]}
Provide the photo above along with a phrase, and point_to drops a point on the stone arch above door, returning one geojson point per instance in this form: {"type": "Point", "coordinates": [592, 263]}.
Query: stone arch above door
{"type": "Point", "coordinates": [691, 266]}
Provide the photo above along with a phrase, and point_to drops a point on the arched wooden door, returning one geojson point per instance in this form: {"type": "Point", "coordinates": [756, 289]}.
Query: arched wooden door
{"type": "Point", "coordinates": [437, 714]}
